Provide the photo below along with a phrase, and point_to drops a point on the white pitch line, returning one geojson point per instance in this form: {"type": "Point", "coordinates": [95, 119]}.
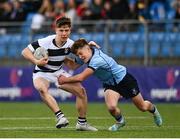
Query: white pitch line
{"type": "Point", "coordinates": [49, 118]}
{"type": "Point", "coordinates": [73, 127]}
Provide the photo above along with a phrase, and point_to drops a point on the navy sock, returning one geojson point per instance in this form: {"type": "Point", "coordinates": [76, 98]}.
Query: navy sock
{"type": "Point", "coordinates": [59, 114]}
{"type": "Point", "coordinates": [153, 110]}
{"type": "Point", "coordinates": [82, 120]}
{"type": "Point", "coordinates": [118, 118]}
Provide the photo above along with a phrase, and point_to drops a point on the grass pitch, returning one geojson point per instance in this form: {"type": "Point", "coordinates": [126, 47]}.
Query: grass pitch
{"type": "Point", "coordinates": [35, 120]}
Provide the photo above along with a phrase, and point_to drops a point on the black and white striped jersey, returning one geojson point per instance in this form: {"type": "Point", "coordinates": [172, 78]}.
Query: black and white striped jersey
{"type": "Point", "coordinates": [56, 55]}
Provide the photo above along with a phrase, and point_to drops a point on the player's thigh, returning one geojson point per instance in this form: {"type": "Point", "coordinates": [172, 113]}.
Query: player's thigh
{"type": "Point", "coordinates": [41, 84]}
{"type": "Point", "coordinates": [111, 98]}
{"type": "Point", "coordinates": [138, 100]}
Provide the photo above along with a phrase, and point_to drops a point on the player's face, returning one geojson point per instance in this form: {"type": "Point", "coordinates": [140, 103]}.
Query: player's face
{"type": "Point", "coordinates": [63, 32]}
{"type": "Point", "coordinates": [84, 53]}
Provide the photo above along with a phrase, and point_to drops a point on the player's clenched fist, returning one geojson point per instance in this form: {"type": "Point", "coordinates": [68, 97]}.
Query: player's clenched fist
{"type": "Point", "coordinates": [61, 79]}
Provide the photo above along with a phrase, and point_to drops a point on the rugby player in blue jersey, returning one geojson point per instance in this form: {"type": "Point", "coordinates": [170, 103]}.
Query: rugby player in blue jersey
{"type": "Point", "coordinates": [116, 80]}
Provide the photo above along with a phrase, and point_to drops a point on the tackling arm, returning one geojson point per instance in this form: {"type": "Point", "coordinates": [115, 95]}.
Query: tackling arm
{"type": "Point", "coordinates": [77, 78]}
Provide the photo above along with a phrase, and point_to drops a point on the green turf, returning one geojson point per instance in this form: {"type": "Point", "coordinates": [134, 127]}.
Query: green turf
{"type": "Point", "coordinates": [34, 120]}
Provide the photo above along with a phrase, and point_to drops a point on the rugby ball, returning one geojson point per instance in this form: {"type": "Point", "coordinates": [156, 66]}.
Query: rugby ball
{"type": "Point", "coordinates": [40, 52]}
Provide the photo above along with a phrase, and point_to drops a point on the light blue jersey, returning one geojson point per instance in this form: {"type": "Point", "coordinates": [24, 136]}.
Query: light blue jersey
{"type": "Point", "coordinates": [106, 68]}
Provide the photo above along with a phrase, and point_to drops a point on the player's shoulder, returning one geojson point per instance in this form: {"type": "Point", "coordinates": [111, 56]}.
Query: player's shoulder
{"type": "Point", "coordinates": [98, 56]}
{"type": "Point", "coordinates": [69, 42]}
{"type": "Point", "coordinates": [95, 57]}
{"type": "Point", "coordinates": [97, 52]}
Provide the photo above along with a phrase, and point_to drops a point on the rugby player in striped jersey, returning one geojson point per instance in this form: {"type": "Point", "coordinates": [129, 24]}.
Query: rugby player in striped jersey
{"type": "Point", "coordinates": [47, 70]}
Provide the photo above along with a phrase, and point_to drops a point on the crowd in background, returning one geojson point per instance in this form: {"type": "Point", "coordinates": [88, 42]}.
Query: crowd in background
{"type": "Point", "coordinates": [77, 10]}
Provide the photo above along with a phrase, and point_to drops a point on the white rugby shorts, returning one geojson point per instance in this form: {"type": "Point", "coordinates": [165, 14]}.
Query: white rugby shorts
{"type": "Point", "coordinates": [52, 77]}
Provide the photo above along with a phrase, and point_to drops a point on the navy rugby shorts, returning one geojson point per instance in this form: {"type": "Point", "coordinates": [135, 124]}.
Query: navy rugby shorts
{"type": "Point", "coordinates": [127, 87]}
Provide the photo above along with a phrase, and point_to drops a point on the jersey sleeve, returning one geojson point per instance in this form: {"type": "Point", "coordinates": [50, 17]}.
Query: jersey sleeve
{"type": "Point", "coordinates": [94, 64]}
{"type": "Point", "coordinates": [33, 46]}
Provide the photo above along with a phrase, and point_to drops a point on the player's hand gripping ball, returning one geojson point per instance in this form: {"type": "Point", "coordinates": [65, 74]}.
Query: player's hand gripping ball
{"type": "Point", "coordinates": [40, 52]}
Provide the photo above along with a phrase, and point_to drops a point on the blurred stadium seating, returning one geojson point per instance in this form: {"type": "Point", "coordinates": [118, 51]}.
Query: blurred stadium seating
{"type": "Point", "coordinates": [123, 44]}
{"type": "Point", "coordinates": [120, 39]}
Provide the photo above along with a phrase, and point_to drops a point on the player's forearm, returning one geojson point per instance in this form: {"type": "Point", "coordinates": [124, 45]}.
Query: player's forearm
{"type": "Point", "coordinates": [73, 79]}
{"type": "Point", "coordinates": [27, 54]}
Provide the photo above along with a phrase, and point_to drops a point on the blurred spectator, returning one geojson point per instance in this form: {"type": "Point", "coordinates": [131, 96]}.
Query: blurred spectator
{"type": "Point", "coordinates": [157, 11]}
{"type": "Point", "coordinates": [43, 14]}
{"type": "Point", "coordinates": [18, 13]}
{"type": "Point", "coordinates": [157, 15]}
{"type": "Point", "coordinates": [142, 10]}
{"type": "Point", "coordinates": [59, 9]}
{"type": "Point", "coordinates": [106, 13]}
{"type": "Point", "coordinates": [71, 10]}
{"type": "Point", "coordinates": [133, 12]}
{"type": "Point", "coordinates": [119, 9]}
{"type": "Point", "coordinates": [96, 9]}
{"type": "Point", "coordinates": [12, 11]}
{"type": "Point", "coordinates": [83, 11]}
{"type": "Point", "coordinates": [7, 9]}
{"type": "Point", "coordinates": [31, 6]}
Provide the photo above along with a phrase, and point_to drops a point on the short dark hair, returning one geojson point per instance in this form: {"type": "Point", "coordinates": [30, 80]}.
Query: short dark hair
{"type": "Point", "coordinates": [63, 21]}
{"type": "Point", "coordinates": [80, 43]}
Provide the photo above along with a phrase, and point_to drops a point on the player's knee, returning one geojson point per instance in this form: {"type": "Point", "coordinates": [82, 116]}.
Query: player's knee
{"type": "Point", "coordinates": [83, 93]}
{"type": "Point", "coordinates": [41, 90]}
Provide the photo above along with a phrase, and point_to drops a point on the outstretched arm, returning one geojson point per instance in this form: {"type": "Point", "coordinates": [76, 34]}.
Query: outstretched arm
{"type": "Point", "coordinates": [77, 78]}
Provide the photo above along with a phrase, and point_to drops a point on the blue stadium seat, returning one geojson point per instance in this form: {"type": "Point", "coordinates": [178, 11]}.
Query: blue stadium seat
{"type": "Point", "coordinates": [117, 50]}
{"type": "Point", "coordinates": [118, 37]}
{"type": "Point", "coordinates": [139, 52]}
{"type": "Point", "coordinates": [25, 41]}
{"type": "Point", "coordinates": [129, 49]}
{"type": "Point", "coordinates": [3, 48]}
{"type": "Point", "coordinates": [158, 36]}
{"type": "Point", "coordinates": [11, 45]}
{"type": "Point", "coordinates": [4, 42]}
{"type": "Point", "coordinates": [117, 43]}
{"type": "Point", "coordinates": [134, 37]}
{"type": "Point", "coordinates": [176, 50]}
{"type": "Point", "coordinates": [2, 52]}
{"type": "Point", "coordinates": [155, 40]}
{"type": "Point", "coordinates": [98, 38]}
{"type": "Point", "coordinates": [87, 36]}
{"type": "Point", "coordinates": [167, 45]}
{"type": "Point", "coordinates": [154, 49]}
{"type": "Point", "coordinates": [37, 36]}
{"type": "Point", "coordinates": [134, 42]}
{"type": "Point", "coordinates": [74, 36]}
{"type": "Point", "coordinates": [26, 27]}
{"type": "Point", "coordinates": [166, 50]}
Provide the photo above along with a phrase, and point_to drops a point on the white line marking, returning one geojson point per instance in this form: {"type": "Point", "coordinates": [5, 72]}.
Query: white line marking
{"type": "Point", "coordinates": [73, 127]}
